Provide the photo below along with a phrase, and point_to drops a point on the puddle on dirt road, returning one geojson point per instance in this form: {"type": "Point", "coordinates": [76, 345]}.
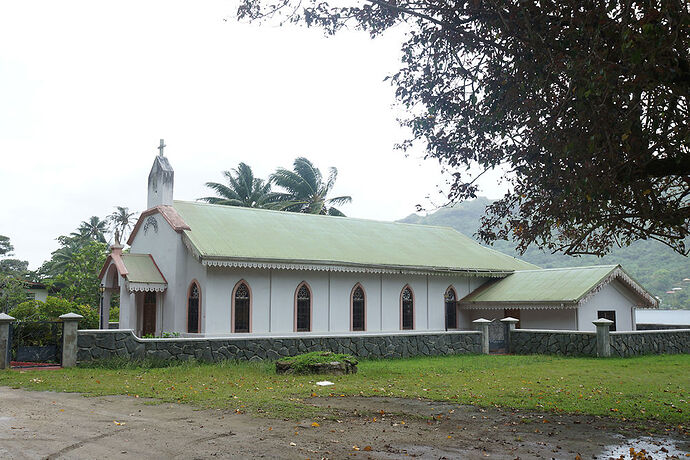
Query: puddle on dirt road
{"type": "Point", "coordinates": [655, 448]}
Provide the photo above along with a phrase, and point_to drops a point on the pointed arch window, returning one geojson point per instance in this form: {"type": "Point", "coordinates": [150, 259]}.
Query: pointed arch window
{"type": "Point", "coordinates": [193, 308]}
{"type": "Point", "coordinates": [303, 308]}
{"type": "Point", "coordinates": [241, 308]}
{"type": "Point", "coordinates": [407, 308]}
{"type": "Point", "coordinates": [358, 303]}
{"type": "Point", "coordinates": [450, 299]}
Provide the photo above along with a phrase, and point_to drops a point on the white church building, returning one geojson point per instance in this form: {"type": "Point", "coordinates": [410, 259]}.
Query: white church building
{"type": "Point", "coordinates": [210, 270]}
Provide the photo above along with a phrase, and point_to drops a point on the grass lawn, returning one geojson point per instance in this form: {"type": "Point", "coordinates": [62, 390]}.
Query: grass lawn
{"type": "Point", "coordinates": [650, 387]}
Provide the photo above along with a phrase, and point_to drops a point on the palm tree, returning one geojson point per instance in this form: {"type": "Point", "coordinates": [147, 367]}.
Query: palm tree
{"type": "Point", "coordinates": [92, 229]}
{"type": "Point", "coordinates": [121, 220]}
{"type": "Point", "coordinates": [305, 190]}
{"type": "Point", "coordinates": [243, 189]}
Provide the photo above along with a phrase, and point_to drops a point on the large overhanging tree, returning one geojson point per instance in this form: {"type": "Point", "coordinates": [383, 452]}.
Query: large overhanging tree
{"type": "Point", "coordinates": [583, 103]}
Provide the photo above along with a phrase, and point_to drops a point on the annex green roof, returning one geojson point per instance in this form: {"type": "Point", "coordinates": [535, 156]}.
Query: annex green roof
{"type": "Point", "coordinates": [246, 234]}
{"type": "Point", "coordinates": [566, 286]}
{"type": "Point", "coordinates": [142, 269]}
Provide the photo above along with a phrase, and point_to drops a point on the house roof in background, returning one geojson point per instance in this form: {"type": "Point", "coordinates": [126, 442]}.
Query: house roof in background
{"type": "Point", "coordinates": [554, 286]}
{"type": "Point", "coordinates": [218, 233]}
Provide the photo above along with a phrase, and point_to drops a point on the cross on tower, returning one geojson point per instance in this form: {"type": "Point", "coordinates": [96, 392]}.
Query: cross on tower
{"type": "Point", "coordinates": [161, 147]}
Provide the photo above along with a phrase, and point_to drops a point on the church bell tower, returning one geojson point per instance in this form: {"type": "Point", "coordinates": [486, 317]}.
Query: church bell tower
{"type": "Point", "coordinates": [161, 179]}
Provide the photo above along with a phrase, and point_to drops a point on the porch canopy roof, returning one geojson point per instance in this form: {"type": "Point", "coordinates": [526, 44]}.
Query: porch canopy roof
{"type": "Point", "coordinates": [140, 271]}
{"type": "Point", "coordinates": [553, 288]}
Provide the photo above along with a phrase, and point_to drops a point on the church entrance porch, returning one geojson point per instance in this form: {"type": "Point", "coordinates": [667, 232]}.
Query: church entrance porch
{"type": "Point", "coordinates": [148, 314]}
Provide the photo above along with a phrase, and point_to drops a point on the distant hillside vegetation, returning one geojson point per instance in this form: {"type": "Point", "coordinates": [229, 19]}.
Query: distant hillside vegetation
{"type": "Point", "coordinates": [651, 263]}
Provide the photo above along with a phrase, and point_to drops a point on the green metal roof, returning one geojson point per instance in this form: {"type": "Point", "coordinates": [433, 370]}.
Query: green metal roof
{"type": "Point", "coordinates": [553, 285]}
{"type": "Point", "coordinates": [227, 232]}
{"type": "Point", "coordinates": [142, 269]}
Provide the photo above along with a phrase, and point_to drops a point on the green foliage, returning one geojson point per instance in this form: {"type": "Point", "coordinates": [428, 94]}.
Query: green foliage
{"type": "Point", "coordinates": [121, 220]}
{"type": "Point", "coordinates": [79, 281]}
{"type": "Point", "coordinates": [243, 189]}
{"type": "Point", "coordinates": [305, 190]}
{"type": "Point", "coordinates": [11, 267]}
{"type": "Point", "coordinates": [164, 335]}
{"type": "Point", "coordinates": [656, 266]}
{"type": "Point", "coordinates": [301, 364]}
{"type": "Point", "coordinates": [585, 107]}
{"type": "Point", "coordinates": [14, 267]}
{"type": "Point", "coordinates": [93, 229]}
{"type": "Point", "coordinates": [12, 292]}
{"type": "Point", "coordinates": [114, 314]}
{"type": "Point", "coordinates": [6, 247]}
{"type": "Point", "coordinates": [52, 308]}
{"type": "Point", "coordinates": [119, 363]}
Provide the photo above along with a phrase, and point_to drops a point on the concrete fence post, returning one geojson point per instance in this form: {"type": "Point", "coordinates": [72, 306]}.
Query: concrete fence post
{"type": "Point", "coordinates": [5, 322]}
{"type": "Point", "coordinates": [603, 337]}
{"type": "Point", "coordinates": [510, 324]}
{"type": "Point", "coordinates": [483, 326]}
{"type": "Point", "coordinates": [69, 338]}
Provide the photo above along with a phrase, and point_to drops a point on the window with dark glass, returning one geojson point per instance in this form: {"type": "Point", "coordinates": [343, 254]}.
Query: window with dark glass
{"type": "Point", "coordinates": [303, 309]}
{"type": "Point", "coordinates": [193, 309]}
{"type": "Point", "coordinates": [149, 314]}
{"type": "Point", "coordinates": [407, 309]}
{"type": "Point", "coordinates": [358, 309]}
{"type": "Point", "coordinates": [451, 309]}
{"type": "Point", "coordinates": [610, 315]}
{"type": "Point", "coordinates": [242, 308]}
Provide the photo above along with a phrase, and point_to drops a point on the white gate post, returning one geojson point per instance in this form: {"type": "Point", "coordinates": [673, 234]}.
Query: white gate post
{"type": "Point", "coordinates": [510, 323]}
{"type": "Point", "coordinates": [69, 339]}
{"type": "Point", "coordinates": [5, 321]}
{"type": "Point", "coordinates": [603, 337]}
{"type": "Point", "coordinates": [483, 326]}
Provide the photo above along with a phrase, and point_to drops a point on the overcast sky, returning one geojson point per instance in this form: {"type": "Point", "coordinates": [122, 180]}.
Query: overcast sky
{"type": "Point", "coordinates": [88, 88]}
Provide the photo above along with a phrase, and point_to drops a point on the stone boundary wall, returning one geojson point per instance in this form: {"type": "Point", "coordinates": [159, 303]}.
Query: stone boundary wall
{"type": "Point", "coordinates": [103, 344]}
{"type": "Point", "coordinates": [566, 343]}
{"type": "Point", "coordinates": [660, 327]}
{"type": "Point", "coordinates": [671, 341]}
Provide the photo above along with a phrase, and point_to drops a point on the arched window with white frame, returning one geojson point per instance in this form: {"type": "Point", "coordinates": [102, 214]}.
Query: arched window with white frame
{"type": "Point", "coordinates": [241, 308]}
{"type": "Point", "coordinates": [450, 300]}
{"type": "Point", "coordinates": [194, 308]}
{"type": "Point", "coordinates": [303, 308]}
{"type": "Point", "coordinates": [407, 308]}
{"type": "Point", "coordinates": [358, 308]}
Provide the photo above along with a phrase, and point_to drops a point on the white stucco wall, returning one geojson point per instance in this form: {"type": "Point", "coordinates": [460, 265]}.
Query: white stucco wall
{"type": "Point", "coordinates": [273, 294]}
{"type": "Point", "coordinates": [37, 294]}
{"type": "Point", "coordinates": [561, 319]}
{"type": "Point", "coordinates": [614, 296]}
{"type": "Point", "coordinates": [558, 319]}
{"type": "Point", "coordinates": [178, 268]}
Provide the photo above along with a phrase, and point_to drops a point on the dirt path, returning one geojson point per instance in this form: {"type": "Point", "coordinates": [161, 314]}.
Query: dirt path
{"type": "Point", "coordinates": [68, 425]}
